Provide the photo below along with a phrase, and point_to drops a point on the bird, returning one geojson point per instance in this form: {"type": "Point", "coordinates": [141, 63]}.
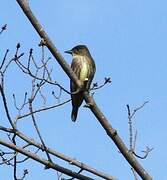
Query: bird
{"type": "Point", "coordinates": [84, 67]}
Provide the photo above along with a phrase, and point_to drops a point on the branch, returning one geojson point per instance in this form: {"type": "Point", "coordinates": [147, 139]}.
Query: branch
{"type": "Point", "coordinates": [131, 142]}
{"type": "Point", "coordinates": [44, 161]}
{"type": "Point", "coordinates": [107, 80]}
{"type": "Point", "coordinates": [71, 161]}
{"type": "Point", "coordinates": [26, 70]}
{"type": "Point", "coordinates": [42, 109]}
{"type": "Point", "coordinates": [4, 58]}
{"type": "Point", "coordinates": [112, 133]}
{"type": "Point", "coordinates": [37, 130]}
{"type": "Point", "coordinates": [6, 107]}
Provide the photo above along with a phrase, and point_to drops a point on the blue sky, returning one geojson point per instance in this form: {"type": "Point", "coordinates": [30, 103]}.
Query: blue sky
{"type": "Point", "coordinates": [127, 40]}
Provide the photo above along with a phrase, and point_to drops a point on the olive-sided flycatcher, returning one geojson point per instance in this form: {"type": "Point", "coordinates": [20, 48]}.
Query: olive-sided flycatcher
{"type": "Point", "coordinates": [84, 67]}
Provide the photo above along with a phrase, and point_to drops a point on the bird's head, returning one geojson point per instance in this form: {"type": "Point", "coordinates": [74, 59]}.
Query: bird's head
{"type": "Point", "coordinates": [78, 50]}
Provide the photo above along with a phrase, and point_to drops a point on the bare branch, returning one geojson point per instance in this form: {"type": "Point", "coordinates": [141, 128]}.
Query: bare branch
{"type": "Point", "coordinates": [132, 143]}
{"type": "Point", "coordinates": [25, 172]}
{"type": "Point", "coordinates": [26, 70]}
{"type": "Point", "coordinates": [96, 86]}
{"type": "Point", "coordinates": [135, 140]}
{"type": "Point", "coordinates": [130, 116]}
{"type": "Point", "coordinates": [136, 109]}
{"type": "Point", "coordinates": [15, 158]}
{"type": "Point", "coordinates": [4, 58]}
{"type": "Point", "coordinates": [70, 160]}
{"type": "Point", "coordinates": [44, 161]}
{"type": "Point", "coordinates": [25, 159]}
{"type": "Point", "coordinates": [13, 59]}
{"type": "Point", "coordinates": [146, 153]}
{"type": "Point", "coordinates": [37, 129]}
{"type": "Point", "coordinates": [73, 177]}
{"type": "Point", "coordinates": [6, 107]}
{"type": "Point", "coordinates": [43, 109]}
{"type": "Point", "coordinates": [23, 104]}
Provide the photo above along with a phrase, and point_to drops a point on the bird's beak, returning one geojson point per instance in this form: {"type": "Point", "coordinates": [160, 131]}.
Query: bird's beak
{"type": "Point", "coordinates": [68, 51]}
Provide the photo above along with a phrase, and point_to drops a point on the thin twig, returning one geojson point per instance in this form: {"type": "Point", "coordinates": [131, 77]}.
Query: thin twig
{"type": "Point", "coordinates": [23, 104]}
{"type": "Point", "coordinates": [96, 86]}
{"type": "Point", "coordinates": [28, 71]}
{"type": "Point", "coordinates": [6, 107]}
{"type": "Point", "coordinates": [37, 129]}
{"type": "Point", "coordinates": [4, 58]}
{"type": "Point", "coordinates": [146, 153]}
{"type": "Point", "coordinates": [15, 159]}
{"type": "Point", "coordinates": [43, 109]}
{"type": "Point", "coordinates": [130, 128]}
{"type": "Point", "coordinates": [3, 28]}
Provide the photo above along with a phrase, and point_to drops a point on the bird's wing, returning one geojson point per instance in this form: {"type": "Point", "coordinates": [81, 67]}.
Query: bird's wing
{"type": "Point", "coordinates": [76, 67]}
{"type": "Point", "coordinates": [77, 98]}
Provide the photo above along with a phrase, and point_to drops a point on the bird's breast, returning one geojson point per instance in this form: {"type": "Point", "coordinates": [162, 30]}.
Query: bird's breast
{"type": "Point", "coordinates": [84, 70]}
{"type": "Point", "coordinates": [83, 65]}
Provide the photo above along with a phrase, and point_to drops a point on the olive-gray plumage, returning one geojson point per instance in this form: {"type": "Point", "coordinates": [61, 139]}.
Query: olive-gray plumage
{"type": "Point", "coordinates": [84, 67]}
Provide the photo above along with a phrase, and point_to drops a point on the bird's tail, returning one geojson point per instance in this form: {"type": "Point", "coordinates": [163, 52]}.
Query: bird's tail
{"type": "Point", "coordinates": [74, 114]}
